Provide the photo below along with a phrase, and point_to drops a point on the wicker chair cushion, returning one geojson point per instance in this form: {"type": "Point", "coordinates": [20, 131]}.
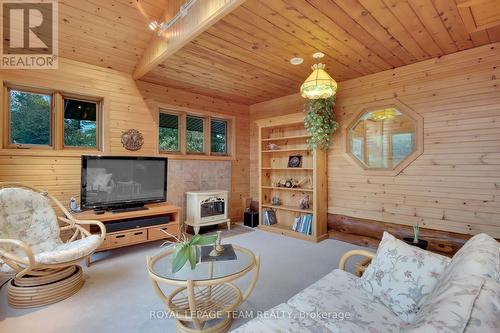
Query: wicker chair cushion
{"type": "Point", "coordinates": [27, 216]}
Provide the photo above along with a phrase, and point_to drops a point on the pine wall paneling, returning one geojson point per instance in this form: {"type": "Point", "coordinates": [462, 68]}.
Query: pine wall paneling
{"type": "Point", "coordinates": [455, 184]}
{"type": "Point", "coordinates": [127, 104]}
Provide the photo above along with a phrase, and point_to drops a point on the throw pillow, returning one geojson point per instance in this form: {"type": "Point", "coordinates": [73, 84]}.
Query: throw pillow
{"type": "Point", "coordinates": [448, 308]}
{"type": "Point", "coordinates": [479, 256]}
{"type": "Point", "coordinates": [402, 276]}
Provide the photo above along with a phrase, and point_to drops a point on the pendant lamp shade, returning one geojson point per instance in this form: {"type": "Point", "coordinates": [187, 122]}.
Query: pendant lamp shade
{"type": "Point", "coordinates": [319, 84]}
{"type": "Point", "coordinates": [385, 114]}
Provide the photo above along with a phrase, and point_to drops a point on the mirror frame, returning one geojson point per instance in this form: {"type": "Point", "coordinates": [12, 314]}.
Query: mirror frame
{"type": "Point", "coordinates": [404, 109]}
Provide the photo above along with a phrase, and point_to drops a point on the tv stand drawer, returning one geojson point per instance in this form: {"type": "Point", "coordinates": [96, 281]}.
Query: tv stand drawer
{"type": "Point", "coordinates": [125, 238]}
{"type": "Point", "coordinates": [157, 233]}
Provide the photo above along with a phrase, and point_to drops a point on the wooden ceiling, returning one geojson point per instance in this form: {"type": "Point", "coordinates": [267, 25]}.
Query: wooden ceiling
{"type": "Point", "coordinates": [107, 33]}
{"type": "Point", "coordinates": [245, 56]}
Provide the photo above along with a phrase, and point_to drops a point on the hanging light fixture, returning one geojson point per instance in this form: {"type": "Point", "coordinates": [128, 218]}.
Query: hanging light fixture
{"type": "Point", "coordinates": [319, 84]}
{"type": "Point", "coordinates": [385, 114]}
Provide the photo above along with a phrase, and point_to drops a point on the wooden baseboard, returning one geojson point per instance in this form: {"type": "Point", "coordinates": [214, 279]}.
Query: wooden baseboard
{"type": "Point", "coordinates": [368, 233]}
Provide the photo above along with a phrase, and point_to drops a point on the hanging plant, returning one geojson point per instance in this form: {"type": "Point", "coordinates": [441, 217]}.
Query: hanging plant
{"type": "Point", "coordinates": [320, 122]}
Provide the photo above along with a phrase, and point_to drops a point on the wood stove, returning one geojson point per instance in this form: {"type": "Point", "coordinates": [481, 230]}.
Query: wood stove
{"type": "Point", "coordinates": [207, 208]}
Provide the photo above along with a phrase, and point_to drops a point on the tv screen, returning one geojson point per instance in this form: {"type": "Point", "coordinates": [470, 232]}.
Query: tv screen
{"type": "Point", "coordinates": [111, 181]}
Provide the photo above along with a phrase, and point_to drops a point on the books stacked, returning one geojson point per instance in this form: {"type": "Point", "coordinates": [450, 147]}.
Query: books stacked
{"type": "Point", "coordinates": [303, 224]}
{"type": "Point", "coordinates": [268, 217]}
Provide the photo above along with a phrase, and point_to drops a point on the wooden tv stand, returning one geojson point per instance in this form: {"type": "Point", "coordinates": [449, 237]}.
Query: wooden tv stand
{"type": "Point", "coordinates": [134, 236]}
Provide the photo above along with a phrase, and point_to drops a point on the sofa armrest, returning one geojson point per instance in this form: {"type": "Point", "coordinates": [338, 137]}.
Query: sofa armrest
{"type": "Point", "coordinates": [360, 267]}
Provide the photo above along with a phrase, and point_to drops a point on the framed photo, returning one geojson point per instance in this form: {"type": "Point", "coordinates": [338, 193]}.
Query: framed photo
{"type": "Point", "coordinates": [295, 161]}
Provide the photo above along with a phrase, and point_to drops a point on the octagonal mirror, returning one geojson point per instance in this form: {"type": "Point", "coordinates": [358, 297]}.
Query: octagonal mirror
{"type": "Point", "coordinates": [383, 138]}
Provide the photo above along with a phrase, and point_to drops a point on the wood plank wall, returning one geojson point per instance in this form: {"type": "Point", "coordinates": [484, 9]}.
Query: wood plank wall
{"type": "Point", "coordinates": [455, 185]}
{"type": "Point", "coordinates": [127, 104]}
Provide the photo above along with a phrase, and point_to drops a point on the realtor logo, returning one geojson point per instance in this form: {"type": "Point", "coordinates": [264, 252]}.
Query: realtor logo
{"type": "Point", "coordinates": [29, 34]}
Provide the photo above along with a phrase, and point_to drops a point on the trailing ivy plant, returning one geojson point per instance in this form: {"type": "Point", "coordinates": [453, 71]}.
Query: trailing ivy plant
{"type": "Point", "coordinates": [320, 122]}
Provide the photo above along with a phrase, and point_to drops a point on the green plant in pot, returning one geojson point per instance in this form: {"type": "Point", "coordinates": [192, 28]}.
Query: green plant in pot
{"type": "Point", "coordinates": [320, 122]}
{"type": "Point", "coordinates": [185, 249]}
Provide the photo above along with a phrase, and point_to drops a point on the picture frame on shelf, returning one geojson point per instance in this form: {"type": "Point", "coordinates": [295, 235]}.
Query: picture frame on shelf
{"type": "Point", "coordinates": [295, 161]}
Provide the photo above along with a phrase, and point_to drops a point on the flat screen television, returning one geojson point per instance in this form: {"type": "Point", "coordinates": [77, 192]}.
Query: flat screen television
{"type": "Point", "coordinates": [113, 182]}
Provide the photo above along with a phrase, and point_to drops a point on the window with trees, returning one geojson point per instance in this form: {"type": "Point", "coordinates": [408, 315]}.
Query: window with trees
{"type": "Point", "coordinates": [30, 116]}
{"type": "Point", "coordinates": [40, 118]}
{"type": "Point", "coordinates": [183, 132]}
{"type": "Point", "coordinates": [169, 132]}
{"type": "Point", "coordinates": [195, 134]}
{"type": "Point", "coordinates": [218, 136]}
{"type": "Point", "coordinates": [80, 123]}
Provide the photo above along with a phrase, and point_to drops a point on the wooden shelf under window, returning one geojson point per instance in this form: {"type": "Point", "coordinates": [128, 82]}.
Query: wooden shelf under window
{"type": "Point", "coordinates": [285, 150]}
{"type": "Point", "coordinates": [284, 138]}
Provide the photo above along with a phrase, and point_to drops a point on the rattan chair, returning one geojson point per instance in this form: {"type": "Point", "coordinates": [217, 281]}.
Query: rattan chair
{"type": "Point", "coordinates": [45, 268]}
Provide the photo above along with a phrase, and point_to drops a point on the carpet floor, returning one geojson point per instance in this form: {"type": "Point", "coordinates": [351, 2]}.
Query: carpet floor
{"type": "Point", "coordinates": [118, 297]}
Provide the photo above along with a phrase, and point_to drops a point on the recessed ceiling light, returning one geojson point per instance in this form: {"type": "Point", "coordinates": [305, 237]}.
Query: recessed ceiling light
{"type": "Point", "coordinates": [296, 61]}
{"type": "Point", "coordinates": [318, 55]}
{"type": "Point", "coordinates": [153, 25]}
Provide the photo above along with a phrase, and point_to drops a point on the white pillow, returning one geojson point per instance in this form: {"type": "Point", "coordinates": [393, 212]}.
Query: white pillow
{"type": "Point", "coordinates": [401, 276]}
{"type": "Point", "coordinates": [449, 306]}
{"type": "Point", "coordinates": [479, 256]}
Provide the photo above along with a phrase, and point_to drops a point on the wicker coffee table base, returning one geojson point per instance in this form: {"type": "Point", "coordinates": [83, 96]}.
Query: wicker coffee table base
{"type": "Point", "coordinates": [34, 291]}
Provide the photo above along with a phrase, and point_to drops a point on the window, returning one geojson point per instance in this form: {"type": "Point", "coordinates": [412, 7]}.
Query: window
{"type": "Point", "coordinates": [80, 123]}
{"type": "Point", "coordinates": [30, 118]}
{"type": "Point", "coordinates": [42, 119]}
{"type": "Point", "coordinates": [218, 136]}
{"type": "Point", "coordinates": [195, 137]}
{"type": "Point", "coordinates": [169, 132]}
{"type": "Point", "coordinates": [182, 132]}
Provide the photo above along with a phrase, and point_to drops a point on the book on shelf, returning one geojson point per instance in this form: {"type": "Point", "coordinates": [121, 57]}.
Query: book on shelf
{"type": "Point", "coordinates": [269, 217]}
{"type": "Point", "coordinates": [303, 224]}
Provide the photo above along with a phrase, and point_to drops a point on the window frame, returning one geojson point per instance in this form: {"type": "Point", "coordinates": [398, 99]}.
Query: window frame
{"type": "Point", "coordinates": [7, 118]}
{"type": "Point", "coordinates": [226, 153]}
{"type": "Point", "coordinates": [56, 119]}
{"type": "Point", "coordinates": [98, 120]}
{"type": "Point", "coordinates": [204, 119]}
{"type": "Point", "coordinates": [179, 131]}
{"type": "Point", "coordinates": [183, 113]}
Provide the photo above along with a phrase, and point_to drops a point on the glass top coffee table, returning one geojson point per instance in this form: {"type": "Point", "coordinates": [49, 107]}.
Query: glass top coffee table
{"type": "Point", "coordinates": [205, 297]}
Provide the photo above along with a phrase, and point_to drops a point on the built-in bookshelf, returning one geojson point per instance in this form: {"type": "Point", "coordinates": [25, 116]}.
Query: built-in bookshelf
{"type": "Point", "coordinates": [279, 139]}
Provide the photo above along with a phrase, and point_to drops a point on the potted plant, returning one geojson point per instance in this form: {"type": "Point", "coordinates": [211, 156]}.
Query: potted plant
{"type": "Point", "coordinates": [320, 122]}
{"type": "Point", "coordinates": [415, 240]}
{"type": "Point", "coordinates": [185, 249]}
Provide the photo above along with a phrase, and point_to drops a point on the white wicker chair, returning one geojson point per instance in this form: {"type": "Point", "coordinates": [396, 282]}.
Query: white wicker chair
{"type": "Point", "coordinates": [46, 268]}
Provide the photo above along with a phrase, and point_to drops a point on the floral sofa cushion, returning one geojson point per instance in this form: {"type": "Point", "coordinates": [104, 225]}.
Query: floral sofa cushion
{"type": "Point", "coordinates": [485, 316]}
{"type": "Point", "coordinates": [26, 215]}
{"type": "Point", "coordinates": [333, 304]}
{"type": "Point", "coordinates": [282, 318]}
{"type": "Point", "coordinates": [401, 276]}
{"type": "Point", "coordinates": [340, 293]}
{"type": "Point", "coordinates": [448, 308]}
{"type": "Point", "coordinates": [479, 256]}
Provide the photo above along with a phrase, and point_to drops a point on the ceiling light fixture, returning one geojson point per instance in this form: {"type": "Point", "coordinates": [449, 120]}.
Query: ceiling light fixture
{"type": "Point", "coordinates": [296, 61]}
{"type": "Point", "coordinates": [319, 84]}
{"type": "Point", "coordinates": [385, 114]}
{"type": "Point", "coordinates": [183, 11]}
{"type": "Point", "coordinates": [153, 25]}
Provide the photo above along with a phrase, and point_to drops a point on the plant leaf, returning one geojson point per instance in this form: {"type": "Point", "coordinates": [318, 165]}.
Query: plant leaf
{"type": "Point", "coordinates": [192, 256]}
{"type": "Point", "coordinates": [194, 240]}
{"type": "Point", "coordinates": [180, 258]}
{"type": "Point", "coordinates": [206, 240]}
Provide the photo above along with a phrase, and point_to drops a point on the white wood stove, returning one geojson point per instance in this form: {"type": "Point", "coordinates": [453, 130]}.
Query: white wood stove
{"type": "Point", "coordinates": [206, 208]}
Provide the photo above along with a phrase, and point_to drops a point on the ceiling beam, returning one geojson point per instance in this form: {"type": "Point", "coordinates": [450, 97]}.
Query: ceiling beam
{"type": "Point", "coordinates": [200, 17]}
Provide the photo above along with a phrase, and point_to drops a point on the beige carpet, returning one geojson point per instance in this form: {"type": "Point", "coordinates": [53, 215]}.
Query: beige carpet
{"type": "Point", "coordinates": [118, 297]}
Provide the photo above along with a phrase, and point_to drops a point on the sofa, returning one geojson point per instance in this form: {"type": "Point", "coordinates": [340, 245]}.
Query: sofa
{"type": "Point", "coordinates": [404, 289]}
